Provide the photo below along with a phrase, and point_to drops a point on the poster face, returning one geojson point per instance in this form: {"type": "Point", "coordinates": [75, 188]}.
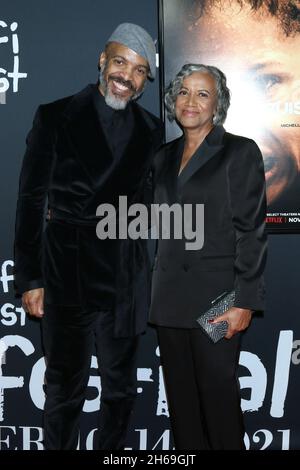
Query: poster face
{"type": "Point", "coordinates": [256, 45]}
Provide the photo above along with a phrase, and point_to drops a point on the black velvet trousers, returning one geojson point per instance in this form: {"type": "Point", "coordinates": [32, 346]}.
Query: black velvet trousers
{"type": "Point", "coordinates": [202, 389]}
{"type": "Point", "coordinates": [69, 337]}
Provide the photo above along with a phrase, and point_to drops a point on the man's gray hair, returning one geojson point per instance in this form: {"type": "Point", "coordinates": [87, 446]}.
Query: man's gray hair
{"type": "Point", "coordinates": [223, 92]}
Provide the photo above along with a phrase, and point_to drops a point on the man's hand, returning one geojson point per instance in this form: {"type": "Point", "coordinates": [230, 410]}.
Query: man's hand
{"type": "Point", "coordinates": [238, 319]}
{"type": "Point", "coordinates": [33, 302]}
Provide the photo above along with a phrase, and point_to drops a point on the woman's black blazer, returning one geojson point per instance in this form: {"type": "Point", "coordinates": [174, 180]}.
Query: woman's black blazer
{"type": "Point", "coordinates": [226, 174]}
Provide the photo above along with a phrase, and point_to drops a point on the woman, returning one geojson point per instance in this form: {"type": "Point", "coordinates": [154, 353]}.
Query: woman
{"type": "Point", "coordinates": [224, 172]}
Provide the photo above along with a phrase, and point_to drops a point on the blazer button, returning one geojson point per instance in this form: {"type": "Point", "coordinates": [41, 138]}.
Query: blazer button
{"type": "Point", "coordinates": [185, 267]}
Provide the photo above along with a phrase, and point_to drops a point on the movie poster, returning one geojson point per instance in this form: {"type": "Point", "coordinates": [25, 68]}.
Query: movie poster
{"type": "Point", "coordinates": [256, 44]}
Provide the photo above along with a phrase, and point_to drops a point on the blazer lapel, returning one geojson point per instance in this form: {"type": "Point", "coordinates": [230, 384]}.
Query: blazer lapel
{"type": "Point", "coordinates": [211, 145]}
{"type": "Point", "coordinates": [142, 140]}
{"type": "Point", "coordinates": [125, 176]}
{"type": "Point", "coordinates": [89, 146]}
{"type": "Point", "coordinates": [171, 168]}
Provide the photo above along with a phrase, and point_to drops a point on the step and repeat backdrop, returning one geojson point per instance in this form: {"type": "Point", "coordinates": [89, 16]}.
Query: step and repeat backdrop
{"type": "Point", "coordinates": [49, 50]}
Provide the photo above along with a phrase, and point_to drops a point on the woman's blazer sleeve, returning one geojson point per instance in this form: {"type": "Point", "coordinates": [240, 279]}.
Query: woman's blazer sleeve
{"type": "Point", "coordinates": [247, 195]}
{"type": "Point", "coordinates": [30, 216]}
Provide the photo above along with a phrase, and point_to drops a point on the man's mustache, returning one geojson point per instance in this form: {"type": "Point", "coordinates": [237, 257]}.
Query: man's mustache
{"type": "Point", "coordinates": [120, 80]}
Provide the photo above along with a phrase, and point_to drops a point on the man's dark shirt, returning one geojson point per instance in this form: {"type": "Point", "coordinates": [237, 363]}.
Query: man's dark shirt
{"type": "Point", "coordinates": [117, 125]}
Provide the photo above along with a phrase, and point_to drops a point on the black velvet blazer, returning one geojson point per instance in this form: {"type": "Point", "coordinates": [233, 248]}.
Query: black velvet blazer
{"type": "Point", "coordinates": [226, 174]}
{"type": "Point", "coordinates": [68, 163]}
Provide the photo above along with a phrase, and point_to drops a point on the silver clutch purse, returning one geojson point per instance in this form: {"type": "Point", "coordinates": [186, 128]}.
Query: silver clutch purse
{"type": "Point", "coordinates": [216, 331]}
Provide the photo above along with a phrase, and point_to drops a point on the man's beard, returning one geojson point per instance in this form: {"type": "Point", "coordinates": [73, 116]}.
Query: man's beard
{"type": "Point", "coordinates": [113, 101]}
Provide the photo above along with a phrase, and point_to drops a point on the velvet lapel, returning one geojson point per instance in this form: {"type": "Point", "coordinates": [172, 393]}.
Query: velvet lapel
{"type": "Point", "coordinates": [211, 145]}
{"type": "Point", "coordinates": [88, 142]}
{"type": "Point", "coordinates": [86, 136]}
{"type": "Point", "coordinates": [136, 154]}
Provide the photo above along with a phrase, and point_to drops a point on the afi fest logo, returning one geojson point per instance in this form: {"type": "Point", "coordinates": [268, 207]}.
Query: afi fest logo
{"type": "Point", "coordinates": [266, 383]}
{"type": "Point", "coordinates": [10, 39]}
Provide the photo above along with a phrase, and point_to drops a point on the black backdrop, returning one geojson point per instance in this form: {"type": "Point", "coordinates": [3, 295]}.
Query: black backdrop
{"type": "Point", "coordinates": [59, 44]}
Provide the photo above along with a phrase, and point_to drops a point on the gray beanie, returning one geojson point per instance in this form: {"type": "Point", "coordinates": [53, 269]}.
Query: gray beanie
{"type": "Point", "coordinates": [138, 40]}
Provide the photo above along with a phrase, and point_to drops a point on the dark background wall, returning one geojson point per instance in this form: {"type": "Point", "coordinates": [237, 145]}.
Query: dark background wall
{"type": "Point", "coordinates": [59, 45]}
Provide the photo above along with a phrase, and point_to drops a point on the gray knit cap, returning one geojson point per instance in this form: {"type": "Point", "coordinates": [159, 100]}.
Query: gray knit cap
{"type": "Point", "coordinates": [138, 40]}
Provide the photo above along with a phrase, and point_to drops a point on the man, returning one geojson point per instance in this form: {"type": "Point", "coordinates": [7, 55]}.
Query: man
{"type": "Point", "coordinates": [83, 151]}
{"type": "Point", "coordinates": [256, 44]}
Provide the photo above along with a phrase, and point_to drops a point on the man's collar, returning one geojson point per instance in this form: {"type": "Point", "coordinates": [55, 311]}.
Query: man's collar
{"type": "Point", "coordinates": [106, 112]}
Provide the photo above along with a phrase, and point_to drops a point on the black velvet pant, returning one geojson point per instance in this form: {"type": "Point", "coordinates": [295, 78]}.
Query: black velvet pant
{"type": "Point", "coordinates": [202, 389]}
{"type": "Point", "coordinates": [69, 337]}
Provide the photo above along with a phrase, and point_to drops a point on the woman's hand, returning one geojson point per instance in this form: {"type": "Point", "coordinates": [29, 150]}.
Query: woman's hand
{"type": "Point", "coordinates": [238, 319]}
